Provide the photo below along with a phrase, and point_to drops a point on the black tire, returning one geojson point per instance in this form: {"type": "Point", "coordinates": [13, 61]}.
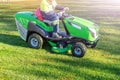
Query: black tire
{"type": "Point", "coordinates": [35, 41]}
{"type": "Point", "coordinates": [78, 49]}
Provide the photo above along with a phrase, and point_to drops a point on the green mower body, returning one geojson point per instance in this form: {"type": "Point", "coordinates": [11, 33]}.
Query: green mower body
{"type": "Point", "coordinates": [77, 30]}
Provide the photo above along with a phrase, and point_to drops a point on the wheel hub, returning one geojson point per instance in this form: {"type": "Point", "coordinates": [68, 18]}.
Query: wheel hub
{"type": "Point", "coordinates": [34, 42]}
{"type": "Point", "coordinates": [77, 51]}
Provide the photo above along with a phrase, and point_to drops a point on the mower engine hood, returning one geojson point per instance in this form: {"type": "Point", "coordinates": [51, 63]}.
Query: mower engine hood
{"type": "Point", "coordinates": [82, 28]}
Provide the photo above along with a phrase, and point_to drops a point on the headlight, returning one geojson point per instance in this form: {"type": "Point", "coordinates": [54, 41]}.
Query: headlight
{"type": "Point", "coordinates": [93, 32]}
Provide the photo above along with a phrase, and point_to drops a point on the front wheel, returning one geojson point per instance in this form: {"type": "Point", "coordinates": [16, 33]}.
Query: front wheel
{"type": "Point", "coordinates": [78, 49]}
{"type": "Point", "coordinates": [35, 41]}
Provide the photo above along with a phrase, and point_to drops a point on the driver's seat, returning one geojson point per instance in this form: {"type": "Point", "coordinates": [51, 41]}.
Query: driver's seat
{"type": "Point", "coordinates": [39, 16]}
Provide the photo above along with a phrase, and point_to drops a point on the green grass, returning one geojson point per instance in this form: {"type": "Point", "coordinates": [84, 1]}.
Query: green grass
{"type": "Point", "coordinates": [19, 62]}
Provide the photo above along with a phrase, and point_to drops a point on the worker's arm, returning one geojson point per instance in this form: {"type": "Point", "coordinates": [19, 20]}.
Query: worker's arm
{"type": "Point", "coordinates": [58, 7]}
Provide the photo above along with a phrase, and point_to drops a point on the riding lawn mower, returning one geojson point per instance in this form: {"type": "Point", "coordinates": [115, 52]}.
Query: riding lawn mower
{"type": "Point", "coordinates": [78, 35]}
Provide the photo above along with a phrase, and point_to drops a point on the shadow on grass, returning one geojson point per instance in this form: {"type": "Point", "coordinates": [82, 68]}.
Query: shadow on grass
{"type": "Point", "coordinates": [84, 63]}
{"type": "Point", "coordinates": [17, 41]}
{"type": "Point", "coordinates": [12, 40]}
{"type": "Point", "coordinates": [72, 67]}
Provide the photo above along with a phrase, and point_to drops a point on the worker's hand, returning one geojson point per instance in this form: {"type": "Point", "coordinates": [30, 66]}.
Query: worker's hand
{"type": "Point", "coordinates": [47, 22]}
{"type": "Point", "coordinates": [66, 9]}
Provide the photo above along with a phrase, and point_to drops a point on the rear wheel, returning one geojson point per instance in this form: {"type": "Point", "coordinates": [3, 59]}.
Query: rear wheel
{"type": "Point", "coordinates": [35, 41]}
{"type": "Point", "coordinates": [78, 49]}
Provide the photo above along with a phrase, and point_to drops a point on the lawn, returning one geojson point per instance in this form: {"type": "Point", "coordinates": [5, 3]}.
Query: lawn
{"type": "Point", "coordinates": [19, 62]}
